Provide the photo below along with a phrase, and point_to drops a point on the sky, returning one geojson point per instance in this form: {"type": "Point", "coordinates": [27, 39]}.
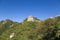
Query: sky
{"type": "Point", "coordinates": [18, 10]}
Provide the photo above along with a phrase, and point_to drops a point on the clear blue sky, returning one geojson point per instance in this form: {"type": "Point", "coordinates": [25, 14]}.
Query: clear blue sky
{"type": "Point", "coordinates": [18, 10]}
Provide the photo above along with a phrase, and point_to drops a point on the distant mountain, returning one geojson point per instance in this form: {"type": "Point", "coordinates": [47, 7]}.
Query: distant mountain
{"type": "Point", "coordinates": [31, 29]}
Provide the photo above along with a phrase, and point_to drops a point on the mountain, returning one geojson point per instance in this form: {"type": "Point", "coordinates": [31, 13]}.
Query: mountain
{"type": "Point", "coordinates": [31, 29]}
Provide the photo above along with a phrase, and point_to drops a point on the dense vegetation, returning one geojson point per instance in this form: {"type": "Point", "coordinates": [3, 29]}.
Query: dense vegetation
{"type": "Point", "coordinates": [48, 29]}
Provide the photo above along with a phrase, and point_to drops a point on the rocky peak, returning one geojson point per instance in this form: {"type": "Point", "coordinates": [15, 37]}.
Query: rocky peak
{"type": "Point", "coordinates": [30, 18]}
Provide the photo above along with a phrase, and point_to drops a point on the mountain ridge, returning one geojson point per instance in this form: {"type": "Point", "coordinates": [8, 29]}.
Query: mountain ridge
{"type": "Point", "coordinates": [48, 29]}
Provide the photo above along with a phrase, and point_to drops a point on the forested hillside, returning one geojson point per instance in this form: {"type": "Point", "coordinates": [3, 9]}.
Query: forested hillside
{"type": "Point", "coordinates": [48, 29]}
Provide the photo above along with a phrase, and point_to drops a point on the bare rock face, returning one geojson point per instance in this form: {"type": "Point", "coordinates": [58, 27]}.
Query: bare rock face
{"type": "Point", "coordinates": [30, 18]}
{"type": "Point", "coordinates": [4, 22]}
{"type": "Point", "coordinates": [12, 35]}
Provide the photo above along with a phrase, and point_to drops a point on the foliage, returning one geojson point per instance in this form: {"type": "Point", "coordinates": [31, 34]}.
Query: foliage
{"type": "Point", "coordinates": [48, 29]}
